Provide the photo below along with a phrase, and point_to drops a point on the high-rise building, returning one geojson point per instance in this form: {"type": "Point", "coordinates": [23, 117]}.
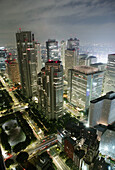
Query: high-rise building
{"type": "Point", "coordinates": [109, 84]}
{"type": "Point", "coordinates": [85, 84]}
{"type": "Point", "coordinates": [63, 46]}
{"type": "Point", "coordinates": [50, 83]}
{"type": "Point", "coordinates": [70, 57]}
{"type": "Point", "coordinates": [38, 52]}
{"type": "Point", "coordinates": [13, 70]}
{"type": "Point", "coordinates": [3, 55]}
{"type": "Point", "coordinates": [52, 50]}
{"type": "Point", "coordinates": [73, 44]}
{"type": "Point", "coordinates": [102, 109]}
{"type": "Point", "coordinates": [27, 62]}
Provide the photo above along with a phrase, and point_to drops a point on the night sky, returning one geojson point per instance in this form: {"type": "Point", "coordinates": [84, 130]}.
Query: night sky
{"type": "Point", "coordinates": [89, 20]}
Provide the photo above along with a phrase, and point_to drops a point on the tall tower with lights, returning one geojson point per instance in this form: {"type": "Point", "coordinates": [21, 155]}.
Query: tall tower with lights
{"type": "Point", "coordinates": [52, 50]}
{"type": "Point", "coordinates": [50, 83]}
{"type": "Point", "coordinates": [27, 62]}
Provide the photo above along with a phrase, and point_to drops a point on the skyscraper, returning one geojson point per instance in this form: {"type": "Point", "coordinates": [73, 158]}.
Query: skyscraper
{"type": "Point", "coordinates": [102, 110]}
{"type": "Point", "coordinates": [109, 84]}
{"type": "Point", "coordinates": [73, 44]}
{"type": "Point", "coordinates": [13, 70]}
{"type": "Point", "coordinates": [63, 46]}
{"type": "Point", "coordinates": [85, 84]}
{"type": "Point", "coordinates": [71, 55]}
{"type": "Point", "coordinates": [38, 52]}
{"type": "Point", "coordinates": [27, 62]}
{"type": "Point", "coordinates": [50, 82]}
{"type": "Point", "coordinates": [52, 50]}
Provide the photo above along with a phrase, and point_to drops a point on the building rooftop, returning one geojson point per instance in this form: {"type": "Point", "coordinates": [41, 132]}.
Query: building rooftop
{"type": "Point", "coordinates": [86, 69]}
{"type": "Point", "coordinates": [110, 96]}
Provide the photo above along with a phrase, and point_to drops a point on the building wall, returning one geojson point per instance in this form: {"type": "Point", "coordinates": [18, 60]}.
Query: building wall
{"type": "Point", "coordinates": [51, 90]}
{"type": "Point", "coordinates": [13, 71]}
{"type": "Point", "coordinates": [109, 84]}
{"type": "Point", "coordinates": [84, 87]}
{"type": "Point", "coordinates": [27, 63]}
{"type": "Point", "coordinates": [102, 110]}
{"type": "Point", "coordinates": [69, 61]}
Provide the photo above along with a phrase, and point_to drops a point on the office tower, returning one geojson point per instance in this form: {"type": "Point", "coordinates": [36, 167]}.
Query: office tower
{"type": "Point", "coordinates": [85, 84]}
{"type": "Point", "coordinates": [73, 44]}
{"type": "Point", "coordinates": [70, 57]}
{"type": "Point", "coordinates": [83, 59]}
{"type": "Point", "coordinates": [38, 52]}
{"type": "Point", "coordinates": [91, 60]}
{"type": "Point", "coordinates": [3, 55]}
{"type": "Point", "coordinates": [52, 50]}
{"type": "Point", "coordinates": [13, 70]}
{"type": "Point", "coordinates": [27, 62]}
{"type": "Point", "coordinates": [102, 110]}
{"type": "Point", "coordinates": [109, 84]}
{"type": "Point", "coordinates": [63, 46]}
{"type": "Point", "coordinates": [50, 82]}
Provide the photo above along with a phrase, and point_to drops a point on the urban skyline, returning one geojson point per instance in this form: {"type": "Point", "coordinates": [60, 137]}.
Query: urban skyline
{"type": "Point", "coordinates": [57, 91]}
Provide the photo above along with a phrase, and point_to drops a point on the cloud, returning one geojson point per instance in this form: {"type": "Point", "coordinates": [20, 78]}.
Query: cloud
{"type": "Point", "coordinates": [58, 18]}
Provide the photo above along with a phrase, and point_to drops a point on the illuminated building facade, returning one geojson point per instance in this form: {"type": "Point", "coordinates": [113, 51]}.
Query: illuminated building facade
{"type": "Point", "coordinates": [50, 84]}
{"type": "Point", "coordinates": [107, 143]}
{"type": "Point", "coordinates": [13, 70]}
{"type": "Point", "coordinates": [73, 44]}
{"type": "Point", "coordinates": [38, 55]}
{"type": "Point", "coordinates": [70, 57]}
{"type": "Point", "coordinates": [102, 110]}
{"type": "Point", "coordinates": [85, 84]}
{"type": "Point", "coordinates": [27, 62]}
{"type": "Point", "coordinates": [63, 46]}
{"type": "Point", "coordinates": [52, 50]}
{"type": "Point", "coordinates": [3, 55]}
{"type": "Point", "coordinates": [109, 84]}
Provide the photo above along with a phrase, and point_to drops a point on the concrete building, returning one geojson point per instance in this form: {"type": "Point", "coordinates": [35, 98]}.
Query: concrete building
{"type": "Point", "coordinates": [73, 44]}
{"type": "Point", "coordinates": [27, 60]}
{"type": "Point", "coordinates": [63, 48]}
{"type": "Point", "coordinates": [107, 144]}
{"type": "Point", "coordinates": [71, 55]}
{"type": "Point", "coordinates": [91, 60]}
{"type": "Point", "coordinates": [13, 70]}
{"type": "Point", "coordinates": [109, 84]}
{"type": "Point", "coordinates": [3, 55]}
{"type": "Point", "coordinates": [102, 110]}
{"type": "Point", "coordinates": [52, 50]}
{"type": "Point", "coordinates": [38, 55]}
{"type": "Point", "coordinates": [84, 84]}
{"type": "Point", "coordinates": [70, 58]}
{"type": "Point", "coordinates": [50, 83]}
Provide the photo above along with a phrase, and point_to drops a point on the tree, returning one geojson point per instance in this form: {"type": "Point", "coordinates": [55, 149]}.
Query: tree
{"type": "Point", "coordinates": [9, 162]}
{"type": "Point", "coordinates": [22, 157]}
